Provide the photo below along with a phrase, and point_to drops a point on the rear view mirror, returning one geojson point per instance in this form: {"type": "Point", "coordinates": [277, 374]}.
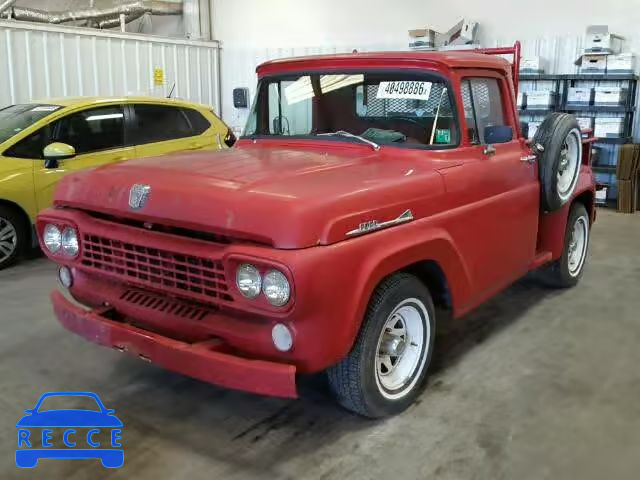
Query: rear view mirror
{"type": "Point", "coordinates": [498, 134]}
{"type": "Point", "coordinates": [277, 126]}
{"type": "Point", "coordinates": [55, 152]}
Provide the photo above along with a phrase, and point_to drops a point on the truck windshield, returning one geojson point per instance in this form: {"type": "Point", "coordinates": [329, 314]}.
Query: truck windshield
{"type": "Point", "coordinates": [16, 118]}
{"type": "Point", "coordinates": [384, 108]}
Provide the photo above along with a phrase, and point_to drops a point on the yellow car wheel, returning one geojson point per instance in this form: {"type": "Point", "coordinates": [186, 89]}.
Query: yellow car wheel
{"type": "Point", "coordinates": [13, 236]}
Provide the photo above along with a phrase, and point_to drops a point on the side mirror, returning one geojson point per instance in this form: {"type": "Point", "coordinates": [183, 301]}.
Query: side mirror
{"type": "Point", "coordinates": [497, 134]}
{"type": "Point", "coordinates": [55, 152]}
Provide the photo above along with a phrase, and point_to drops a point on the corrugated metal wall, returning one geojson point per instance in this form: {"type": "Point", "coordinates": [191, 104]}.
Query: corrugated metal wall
{"type": "Point", "coordinates": [39, 61]}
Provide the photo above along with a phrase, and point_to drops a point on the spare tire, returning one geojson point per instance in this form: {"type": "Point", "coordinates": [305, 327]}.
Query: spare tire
{"type": "Point", "coordinates": [558, 143]}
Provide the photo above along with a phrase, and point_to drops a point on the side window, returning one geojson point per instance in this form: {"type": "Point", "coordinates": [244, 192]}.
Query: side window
{"type": "Point", "coordinates": [31, 147]}
{"type": "Point", "coordinates": [199, 124]}
{"type": "Point", "coordinates": [92, 130]}
{"type": "Point", "coordinates": [482, 103]}
{"type": "Point", "coordinates": [157, 123]}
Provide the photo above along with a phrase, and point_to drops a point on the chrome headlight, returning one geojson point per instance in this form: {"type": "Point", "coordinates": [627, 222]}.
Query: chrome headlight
{"type": "Point", "coordinates": [248, 280]}
{"type": "Point", "coordinates": [275, 287]}
{"type": "Point", "coordinates": [52, 238]}
{"type": "Point", "coordinates": [70, 242]}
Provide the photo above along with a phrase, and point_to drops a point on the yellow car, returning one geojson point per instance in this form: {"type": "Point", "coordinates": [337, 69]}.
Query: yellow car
{"type": "Point", "coordinates": [43, 141]}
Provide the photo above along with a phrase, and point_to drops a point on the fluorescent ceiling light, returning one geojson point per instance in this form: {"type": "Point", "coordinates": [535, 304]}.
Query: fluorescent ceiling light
{"type": "Point", "coordinates": [302, 89]}
{"type": "Point", "coordinates": [104, 117]}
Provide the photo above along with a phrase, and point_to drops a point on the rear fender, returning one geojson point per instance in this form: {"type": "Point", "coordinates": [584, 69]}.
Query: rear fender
{"type": "Point", "coordinates": [553, 226]}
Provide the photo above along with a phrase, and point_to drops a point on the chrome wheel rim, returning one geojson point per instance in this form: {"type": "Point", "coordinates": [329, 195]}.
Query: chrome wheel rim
{"type": "Point", "coordinates": [578, 243]}
{"type": "Point", "coordinates": [570, 158]}
{"type": "Point", "coordinates": [8, 239]}
{"type": "Point", "coordinates": [401, 351]}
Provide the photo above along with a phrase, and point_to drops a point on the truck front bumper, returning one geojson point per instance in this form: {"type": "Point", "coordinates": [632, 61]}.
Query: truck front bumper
{"type": "Point", "coordinates": [201, 360]}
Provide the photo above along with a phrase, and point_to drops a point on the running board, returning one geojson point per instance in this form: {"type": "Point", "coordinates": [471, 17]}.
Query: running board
{"type": "Point", "coordinates": [540, 259]}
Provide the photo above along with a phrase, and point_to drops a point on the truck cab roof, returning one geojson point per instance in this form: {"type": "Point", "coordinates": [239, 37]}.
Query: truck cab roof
{"type": "Point", "coordinates": [442, 60]}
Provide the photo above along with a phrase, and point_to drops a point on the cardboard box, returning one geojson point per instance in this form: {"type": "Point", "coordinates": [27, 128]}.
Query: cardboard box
{"type": "Point", "coordinates": [533, 65]}
{"type": "Point", "coordinates": [598, 39]}
{"type": "Point", "coordinates": [422, 39]}
{"type": "Point", "coordinates": [621, 64]}
{"type": "Point", "coordinates": [468, 46]}
{"type": "Point", "coordinates": [628, 173]}
{"type": "Point", "coordinates": [593, 64]}
{"type": "Point", "coordinates": [610, 96]}
{"type": "Point", "coordinates": [625, 192]}
{"type": "Point", "coordinates": [585, 123]}
{"type": "Point", "coordinates": [580, 96]}
{"type": "Point", "coordinates": [628, 162]}
{"type": "Point", "coordinates": [462, 33]}
{"type": "Point", "coordinates": [533, 128]}
{"type": "Point", "coordinates": [638, 191]}
{"type": "Point", "coordinates": [541, 99]}
{"type": "Point", "coordinates": [609, 127]}
{"type": "Point", "coordinates": [601, 196]}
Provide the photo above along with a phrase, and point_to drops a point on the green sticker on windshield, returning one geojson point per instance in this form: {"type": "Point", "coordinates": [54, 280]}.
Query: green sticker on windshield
{"type": "Point", "coordinates": [443, 135]}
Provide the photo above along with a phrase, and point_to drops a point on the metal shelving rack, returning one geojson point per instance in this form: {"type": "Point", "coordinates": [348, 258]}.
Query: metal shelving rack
{"type": "Point", "coordinates": [561, 85]}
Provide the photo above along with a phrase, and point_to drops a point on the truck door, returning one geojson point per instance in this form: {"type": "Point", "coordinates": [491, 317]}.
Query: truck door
{"type": "Point", "coordinates": [501, 190]}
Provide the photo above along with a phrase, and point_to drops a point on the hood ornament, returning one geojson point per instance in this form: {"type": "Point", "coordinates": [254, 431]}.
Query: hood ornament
{"type": "Point", "coordinates": [374, 225]}
{"type": "Point", "coordinates": [138, 196]}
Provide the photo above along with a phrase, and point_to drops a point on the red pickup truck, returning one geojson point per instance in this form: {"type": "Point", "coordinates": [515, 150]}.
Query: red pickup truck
{"type": "Point", "coordinates": [367, 189]}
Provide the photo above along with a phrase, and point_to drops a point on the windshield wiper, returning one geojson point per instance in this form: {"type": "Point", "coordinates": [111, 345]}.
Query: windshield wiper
{"type": "Point", "coordinates": [342, 133]}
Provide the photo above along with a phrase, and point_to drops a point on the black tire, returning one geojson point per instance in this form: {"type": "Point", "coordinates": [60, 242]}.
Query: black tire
{"type": "Point", "coordinates": [355, 380]}
{"type": "Point", "coordinates": [555, 136]}
{"type": "Point", "coordinates": [11, 249]}
{"type": "Point", "coordinates": [560, 273]}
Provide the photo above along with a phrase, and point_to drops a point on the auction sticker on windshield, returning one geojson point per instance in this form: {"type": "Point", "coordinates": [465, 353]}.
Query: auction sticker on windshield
{"type": "Point", "coordinates": [405, 89]}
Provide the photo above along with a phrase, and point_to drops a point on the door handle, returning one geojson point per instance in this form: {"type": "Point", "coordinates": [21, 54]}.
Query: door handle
{"type": "Point", "coordinates": [489, 150]}
{"type": "Point", "coordinates": [529, 158]}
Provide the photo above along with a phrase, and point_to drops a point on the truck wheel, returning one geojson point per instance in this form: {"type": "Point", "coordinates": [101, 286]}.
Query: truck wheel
{"type": "Point", "coordinates": [384, 372]}
{"type": "Point", "coordinates": [13, 236]}
{"type": "Point", "coordinates": [560, 144]}
{"type": "Point", "coordinates": [567, 270]}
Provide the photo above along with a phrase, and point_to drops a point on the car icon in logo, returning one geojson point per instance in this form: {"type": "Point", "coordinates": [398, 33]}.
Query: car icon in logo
{"type": "Point", "coordinates": [82, 431]}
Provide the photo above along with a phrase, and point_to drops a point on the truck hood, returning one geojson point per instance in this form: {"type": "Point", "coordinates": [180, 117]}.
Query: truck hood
{"type": "Point", "coordinates": [287, 198]}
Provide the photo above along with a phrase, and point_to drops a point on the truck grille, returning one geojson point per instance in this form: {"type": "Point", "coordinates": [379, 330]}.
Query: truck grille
{"type": "Point", "coordinates": [163, 304]}
{"type": "Point", "coordinates": [194, 277]}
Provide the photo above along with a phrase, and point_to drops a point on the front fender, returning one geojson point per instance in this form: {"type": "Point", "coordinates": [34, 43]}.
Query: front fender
{"type": "Point", "coordinates": [335, 283]}
{"type": "Point", "coordinates": [436, 246]}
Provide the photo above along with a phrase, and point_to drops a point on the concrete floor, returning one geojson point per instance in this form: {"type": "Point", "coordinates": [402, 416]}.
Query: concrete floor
{"type": "Point", "coordinates": [537, 384]}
